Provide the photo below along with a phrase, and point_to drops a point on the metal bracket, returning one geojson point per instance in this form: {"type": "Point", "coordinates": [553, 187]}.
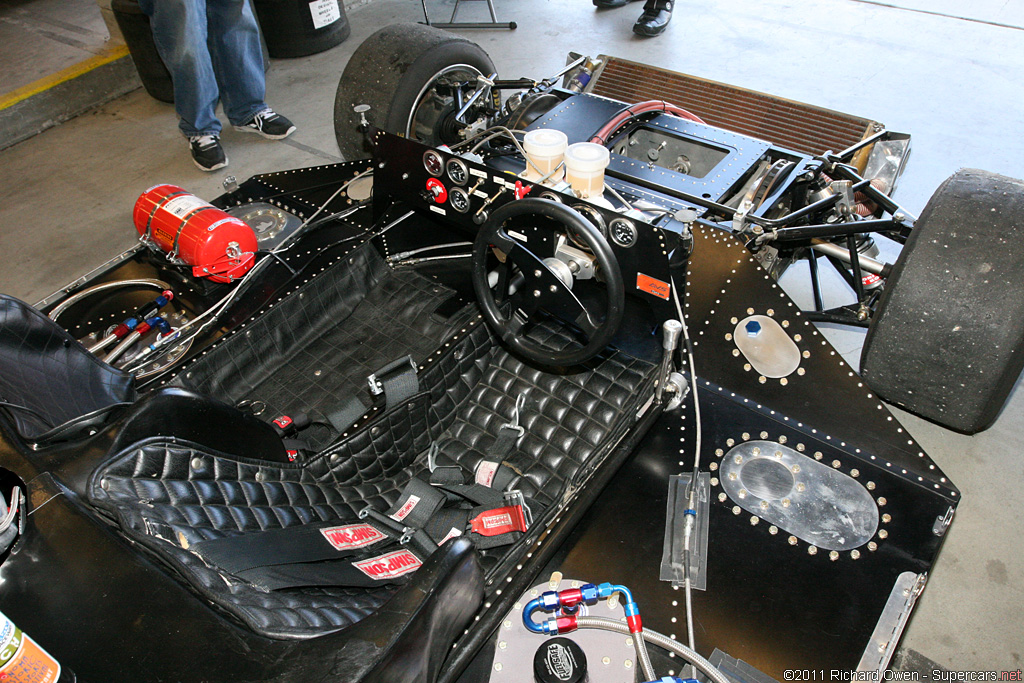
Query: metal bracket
{"type": "Point", "coordinates": [377, 385]}
{"type": "Point", "coordinates": [894, 617]}
{"type": "Point", "coordinates": [942, 523]}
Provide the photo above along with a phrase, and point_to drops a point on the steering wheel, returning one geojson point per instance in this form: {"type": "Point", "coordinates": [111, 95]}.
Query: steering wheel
{"type": "Point", "coordinates": [542, 288]}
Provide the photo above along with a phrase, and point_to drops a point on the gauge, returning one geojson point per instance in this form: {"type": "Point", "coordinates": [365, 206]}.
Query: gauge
{"type": "Point", "coordinates": [458, 198]}
{"type": "Point", "coordinates": [622, 232]}
{"type": "Point", "coordinates": [552, 196]}
{"type": "Point", "coordinates": [433, 162]}
{"type": "Point", "coordinates": [457, 171]}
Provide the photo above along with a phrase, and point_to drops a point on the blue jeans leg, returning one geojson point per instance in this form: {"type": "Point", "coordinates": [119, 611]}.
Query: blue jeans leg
{"type": "Point", "coordinates": [212, 49]}
{"type": "Point", "coordinates": [237, 55]}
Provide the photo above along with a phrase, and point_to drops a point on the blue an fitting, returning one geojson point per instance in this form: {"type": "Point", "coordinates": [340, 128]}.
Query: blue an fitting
{"type": "Point", "coordinates": [528, 611]}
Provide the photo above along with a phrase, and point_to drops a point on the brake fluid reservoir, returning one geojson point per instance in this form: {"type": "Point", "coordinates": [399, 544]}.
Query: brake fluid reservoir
{"type": "Point", "coordinates": [22, 660]}
{"type": "Point", "coordinates": [544, 149]}
{"type": "Point", "coordinates": [584, 168]}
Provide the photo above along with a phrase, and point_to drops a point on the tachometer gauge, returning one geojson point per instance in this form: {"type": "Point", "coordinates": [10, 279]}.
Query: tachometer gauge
{"type": "Point", "coordinates": [433, 162]}
{"type": "Point", "coordinates": [457, 171]}
{"type": "Point", "coordinates": [622, 232]}
{"type": "Point", "coordinates": [458, 199]}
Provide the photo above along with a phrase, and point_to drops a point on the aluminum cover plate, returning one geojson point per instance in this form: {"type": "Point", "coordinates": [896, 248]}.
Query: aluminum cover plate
{"type": "Point", "coordinates": [810, 500]}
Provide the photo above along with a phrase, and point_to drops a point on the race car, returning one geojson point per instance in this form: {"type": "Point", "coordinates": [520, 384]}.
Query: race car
{"type": "Point", "coordinates": [509, 396]}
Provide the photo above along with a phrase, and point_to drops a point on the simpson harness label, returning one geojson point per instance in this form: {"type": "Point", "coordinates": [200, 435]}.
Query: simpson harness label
{"type": "Point", "coordinates": [406, 508]}
{"type": "Point", "coordinates": [389, 566]}
{"type": "Point", "coordinates": [352, 536]}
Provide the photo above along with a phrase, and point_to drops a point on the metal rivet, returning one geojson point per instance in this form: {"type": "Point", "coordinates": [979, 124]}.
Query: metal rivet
{"type": "Point", "coordinates": [792, 540]}
{"type": "Point", "coordinates": [812, 550]}
{"type": "Point", "coordinates": [196, 463]}
{"type": "Point", "coordinates": [105, 485]}
{"type": "Point", "coordinates": [374, 431]}
{"type": "Point", "coordinates": [854, 554]}
{"type": "Point", "coordinates": [773, 529]}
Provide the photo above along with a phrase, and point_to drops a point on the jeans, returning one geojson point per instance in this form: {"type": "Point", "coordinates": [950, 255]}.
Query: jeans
{"type": "Point", "coordinates": [212, 49]}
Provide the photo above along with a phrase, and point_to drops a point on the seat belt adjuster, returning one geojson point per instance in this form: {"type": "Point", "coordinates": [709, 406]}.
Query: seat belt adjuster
{"type": "Point", "coordinates": [499, 521]}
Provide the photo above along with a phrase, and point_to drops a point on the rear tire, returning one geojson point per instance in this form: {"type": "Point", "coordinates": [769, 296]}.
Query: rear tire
{"type": "Point", "coordinates": [947, 339]}
{"type": "Point", "coordinates": [390, 71]}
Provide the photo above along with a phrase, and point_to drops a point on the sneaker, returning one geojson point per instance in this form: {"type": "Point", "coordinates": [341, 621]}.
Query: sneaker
{"type": "Point", "coordinates": [207, 152]}
{"type": "Point", "coordinates": [269, 124]}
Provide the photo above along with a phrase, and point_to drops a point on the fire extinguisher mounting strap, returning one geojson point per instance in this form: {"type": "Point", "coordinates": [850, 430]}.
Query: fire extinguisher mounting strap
{"type": "Point", "coordinates": [147, 238]}
{"type": "Point", "coordinates": [181, 226]}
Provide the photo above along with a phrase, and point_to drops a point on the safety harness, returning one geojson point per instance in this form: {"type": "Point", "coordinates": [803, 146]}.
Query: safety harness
{"type": "Point", "coordinates": [386, 547]}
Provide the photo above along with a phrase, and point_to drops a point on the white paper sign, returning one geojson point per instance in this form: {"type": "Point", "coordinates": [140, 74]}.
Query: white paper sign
{"type": "Point", "coordinates": [325, 12]}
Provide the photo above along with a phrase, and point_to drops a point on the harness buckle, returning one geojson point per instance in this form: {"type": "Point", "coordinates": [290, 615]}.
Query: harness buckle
{"type": "Point", "coordinates": [515, 497]}
{"type": "Point", "coordinates": [377, 383]}
{"type": "Point", "coordinates": [514, 422]}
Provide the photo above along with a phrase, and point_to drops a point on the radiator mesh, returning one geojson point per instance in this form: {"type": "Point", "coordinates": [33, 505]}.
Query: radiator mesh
{"type": "Point", "coordinates": [785, 123]}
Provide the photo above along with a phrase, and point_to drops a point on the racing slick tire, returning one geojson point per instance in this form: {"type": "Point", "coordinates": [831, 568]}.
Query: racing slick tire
{"type": "Point", "coordinates": [947, 339]}
{"type": "Point", "coordinates": [390, 72]}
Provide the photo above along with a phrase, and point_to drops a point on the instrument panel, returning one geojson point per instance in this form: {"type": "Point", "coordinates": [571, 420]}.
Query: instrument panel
{"type": "Point", "coordinates": [465, 193]}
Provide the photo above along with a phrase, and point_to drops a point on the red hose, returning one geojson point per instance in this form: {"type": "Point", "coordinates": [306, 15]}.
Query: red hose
{"type": "Point", "coordinates": [600, 137]}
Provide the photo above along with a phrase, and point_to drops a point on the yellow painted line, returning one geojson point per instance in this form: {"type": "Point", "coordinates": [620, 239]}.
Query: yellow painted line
{"type": "Point", "coordinates": [26, 91]}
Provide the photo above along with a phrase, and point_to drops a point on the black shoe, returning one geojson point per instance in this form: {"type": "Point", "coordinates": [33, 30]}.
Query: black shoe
{"type": "Point", "coordinates": [269, 124]}
{"type": "Point", "coordinates": [207, 153]}
{"type": "Point", "coordinates": [657, 14]}
{"type": "Point", "coordinates": [611, 4]}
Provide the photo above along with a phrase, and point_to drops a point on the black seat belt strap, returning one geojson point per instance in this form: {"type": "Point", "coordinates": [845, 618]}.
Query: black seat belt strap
{"type": "Point", "coordinates": [397, 381]}
{"type": "Point", "coordinates": [391, 567]}
{"type": "Point", "coordinates": [307, 543]}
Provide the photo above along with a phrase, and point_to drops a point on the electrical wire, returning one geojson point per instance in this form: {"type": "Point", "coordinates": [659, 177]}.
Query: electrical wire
{"type": "Point", "coordinates": [688, 591]}
{"type": "Point", "coordinates": [687, 654]}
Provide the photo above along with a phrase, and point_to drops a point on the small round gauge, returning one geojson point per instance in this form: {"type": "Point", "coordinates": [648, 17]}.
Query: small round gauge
{"type": "Point", "coordinates": [457, 171]}
{"type": "Point", "coordinates": [459, 200]}
{"type": "Point", "coordinates": [433, 162]}
{"type": "Point", "coordinates": [622, 232]}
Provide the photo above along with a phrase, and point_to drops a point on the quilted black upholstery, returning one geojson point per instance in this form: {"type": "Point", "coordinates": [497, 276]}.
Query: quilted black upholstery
{"type": "Point", "coordinates": [169, 495]}
{"type": "Point", "coordinates": [314, 350]}
{"type": "Point", "coordinates": [46, 371]}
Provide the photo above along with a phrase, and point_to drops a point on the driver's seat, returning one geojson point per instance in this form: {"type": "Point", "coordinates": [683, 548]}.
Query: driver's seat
{"type": "Point", "coordinates": [168, 494]}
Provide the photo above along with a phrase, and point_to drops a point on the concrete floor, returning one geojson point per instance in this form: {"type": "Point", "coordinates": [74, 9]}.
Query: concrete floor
{"type": "Point", "coordinates": [951, 76]}
{"type": "Point", "coordinates": [41, 37]}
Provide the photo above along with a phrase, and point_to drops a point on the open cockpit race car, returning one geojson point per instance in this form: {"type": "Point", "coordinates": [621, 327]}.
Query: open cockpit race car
{"type": "Point", "coordinates": [510, 398]}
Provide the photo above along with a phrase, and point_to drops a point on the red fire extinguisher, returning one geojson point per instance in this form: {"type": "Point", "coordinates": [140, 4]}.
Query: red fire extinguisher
{"type": "Point", "coordinates": [194, 232]}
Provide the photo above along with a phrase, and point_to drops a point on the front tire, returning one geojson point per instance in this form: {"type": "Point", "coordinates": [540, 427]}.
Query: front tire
{"type": "Point", "coordinates": [947, 338]}
{"type": "Point", "coordinates": [393, 71]}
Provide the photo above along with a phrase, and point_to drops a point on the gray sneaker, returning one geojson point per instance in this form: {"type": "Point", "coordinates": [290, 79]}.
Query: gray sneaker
{"type": "Point", "coordinates": [207, 152]}
{"type": "Point", "coordinates": [269, 124]}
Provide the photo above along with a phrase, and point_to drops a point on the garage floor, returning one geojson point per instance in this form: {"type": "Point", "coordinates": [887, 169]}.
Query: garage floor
{"type": "Point", "coordinates": [950, 75]}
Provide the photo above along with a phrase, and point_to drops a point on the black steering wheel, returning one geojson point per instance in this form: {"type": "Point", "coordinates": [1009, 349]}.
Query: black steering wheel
{"type": "Point", "coordinates": [543, 288]}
